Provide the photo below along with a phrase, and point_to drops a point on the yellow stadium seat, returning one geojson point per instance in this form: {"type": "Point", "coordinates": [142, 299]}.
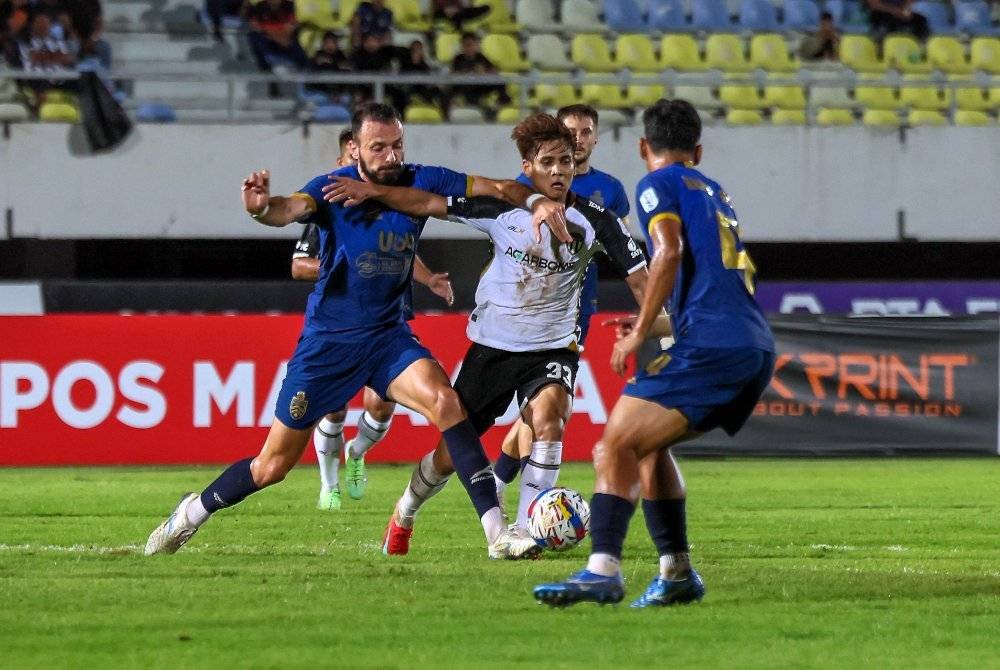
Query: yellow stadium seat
{"type": "Point", "coordinates": [502, 50]}
{"type": "Point", "coordinates": [902, 52]}
{"type": "Point", "coordinates": [346, 10]}
{"type": "Point", "coordinates": [554, 95]}
{"type": "Point", "coordinates": [785, 97]}
{"type": "Point", "coordinates": [591, 54]}
{"type": "Point", "coordinates": [926, 117]}
{"type": "Point", "coordinates": [546, 52]}
{"type": "Point", "coordinates": [406, 14]}
{"type": "Point", "coordinates": [59, 112]}
{"type": "Point", "coordinates": [948, 55]}
{"type": "Point", "coordinates": [770, 52]}
{"type": "Point", "coordinates": [509, 116]}
{"type": "Point", "coordinates": [446, 47]}
{"type": "Point", "coordinates": [834, 117]}
{"type": "Point", "coordinates": [880, 117]}
{"type": "Point", "coordinates": [984, 54]}
{"type": "Point", "coordinates": [969, 118]}
{"type": "Point", "coordinates": [972, 97]}
{"type": "Point", "coordinates": [744, 117]}
{"type": "Point", "coordinates": [680, 52]}
{"type": "Point", "coordinates": [644, 95]}
{"type": "Point", "coordinates": [318, 13]}
{"type": "Point", "coordinates": [859, 53]}
{"type": "Point", "coordinates": [603, 95]}
{"type": "Point", "coordinates": [498, 20]}
{"type": "Point", "coordinates": [789, 117]}
{"type": "Point", "coordinates": [423, 114]}
{"type": "Point", "coordinates": [725, 52]}
{"type": "Point", "coordinates": [926, 96]}
{"type": "Point", "coordinates": [741, 96]}
{"type": "Point", "coordinates": [876, 97]}
{"type": "Point", "coordinates": [635, 53]}
{"type": "Point", "coordinates": [994, 97]}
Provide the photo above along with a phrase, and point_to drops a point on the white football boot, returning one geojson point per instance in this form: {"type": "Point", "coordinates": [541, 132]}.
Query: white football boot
{"type": "Point", "coordinates": [173, 533]}
{"type": "Point", "coordinates": [514, 544]}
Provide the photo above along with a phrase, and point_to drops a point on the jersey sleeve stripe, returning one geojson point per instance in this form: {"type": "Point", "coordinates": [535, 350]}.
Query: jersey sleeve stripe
{"type": "Point", "coordinates": [662, 216]}
{"type": "Point", "coordinates": [635, 268]}
{"type": "Point", "coordinates": [306, 197]}
{"type": "Point", "coordinates": [468, 185]}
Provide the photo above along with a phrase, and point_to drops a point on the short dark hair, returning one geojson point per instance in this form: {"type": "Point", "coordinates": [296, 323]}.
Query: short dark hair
{"type": "Point", "coordinates": [534, 131]}
{"type": "Point", "coordinates": [672, 125]}
{"type": "Point", "coordinates": [379, 112]}
{"type": "Point", "coordinates": [583, 111]}
{"type": "Point", "coordinates": [346, 135]}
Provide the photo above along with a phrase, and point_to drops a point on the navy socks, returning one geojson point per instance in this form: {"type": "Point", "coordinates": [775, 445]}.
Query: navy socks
{"type": "Point", "coordinates": [609, 519]}
{"type": "Point", "coordinates": [472, 466]}
{"type": "Point", "coordinates": [506, 468]}
{"type": "Point", "coordinates": [667, 524]}
{"type": "Point", "coordinates": [233, 485]}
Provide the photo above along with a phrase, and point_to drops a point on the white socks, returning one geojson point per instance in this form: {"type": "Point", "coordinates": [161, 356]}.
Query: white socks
{"type": "Point", "coordinates": [675, 566]}
{"type": "Point", "coordinates": [370, 432]}
{"type": "Point", "coordinates": [425, 482]}
{"type": "Point", "coordinates": [328, 438]}
{"type": "Point", "coordinates": [539, 473]}
{"type": "Point", "coordinates": [492, 524]}
{"type": "Point", "coordinates": [604, 564]}
{"type": "Point", "coordinates": [196, 513]}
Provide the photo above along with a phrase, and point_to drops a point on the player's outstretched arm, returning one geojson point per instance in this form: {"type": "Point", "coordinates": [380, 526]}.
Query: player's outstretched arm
{"type": "Point", "coordinates": [437, 282]}
{"type": "Point", "coordinates": [272, 210]}
{"type": "Point", "coordinates": [543, 210]}
{"type": "Point", "coordinates": [410, 201]}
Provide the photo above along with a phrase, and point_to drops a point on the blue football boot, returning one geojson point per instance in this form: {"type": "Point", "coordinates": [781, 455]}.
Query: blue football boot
{"type": "Point", "coordinates": [581, 586]}
{"type": "Point", "coordinates": [663, 592]}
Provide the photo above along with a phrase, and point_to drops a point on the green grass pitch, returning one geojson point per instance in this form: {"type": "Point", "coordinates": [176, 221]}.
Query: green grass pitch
{"type": "Point", "coordinates": [808, 563]}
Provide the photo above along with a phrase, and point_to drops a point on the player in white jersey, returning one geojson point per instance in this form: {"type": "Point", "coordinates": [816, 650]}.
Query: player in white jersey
{"type": "Point", "coordinates": [524, 327]}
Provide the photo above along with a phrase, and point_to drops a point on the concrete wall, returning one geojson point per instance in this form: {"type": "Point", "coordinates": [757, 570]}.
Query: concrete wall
{"type": "Point", "coordinates": [788, 183]}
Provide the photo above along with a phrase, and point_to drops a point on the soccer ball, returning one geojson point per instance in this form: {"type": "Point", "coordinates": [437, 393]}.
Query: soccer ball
{"type": "Point", "coordinates": [558, 518]}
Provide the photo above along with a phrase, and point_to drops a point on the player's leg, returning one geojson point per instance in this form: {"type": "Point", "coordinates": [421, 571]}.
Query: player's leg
{"type": "Point", "coordinates": [328, 440]}
{"type": "Point", "coordinates": [428, 478]}
{"type": "Point", "coordinates": [372, 427]}
{"type": "Point", "coordinates": [546, 413]}
{"type": "Point", "coordinates": [514, 452]}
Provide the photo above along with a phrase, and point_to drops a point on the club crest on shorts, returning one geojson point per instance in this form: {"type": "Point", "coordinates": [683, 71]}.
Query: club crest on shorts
{"type": "Point", "coordinates": [300, 403]}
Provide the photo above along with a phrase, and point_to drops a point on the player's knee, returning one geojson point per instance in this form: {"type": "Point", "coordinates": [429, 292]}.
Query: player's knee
{"type": "Point", "coordinates": [446, 408]}
{"type": "Point", "coordinates": [337, 417]}
{"type": "Point", "coordinates": [270, 472]}
{"type": "Point", "coordinates": [548, 428]}
{"type": "Point", "coordinates": [381, 411]}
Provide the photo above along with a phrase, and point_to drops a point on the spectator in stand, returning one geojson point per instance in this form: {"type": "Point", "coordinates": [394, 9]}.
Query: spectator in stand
{"type": "Point", "coordinates": [274, 34]}
{"type": "Point", "coordinates": [219, 9]}
{"type": "Point", "coordinates": [44, 49]}
{"type": "Point", "coordinates": [14, 15]}
{"type": "Point", "coordinates": [896, 16]}
{"type": "Point", "coordinates": [87, 20]}
{"type": "Point", "coordinates": [823, 44]}
{"type": "Point", "coordinates": [471, 61]}
{"type": "Point", "coordinates": [371, 56]}
{"type": "Point", "coordinates": [458, 11]}
{"type": "Point", "coordinates": [372, 19]}
{"type": "Point", "coordinates": [413, 61]}
{"type": "Point", "coordinates": [330, 59]}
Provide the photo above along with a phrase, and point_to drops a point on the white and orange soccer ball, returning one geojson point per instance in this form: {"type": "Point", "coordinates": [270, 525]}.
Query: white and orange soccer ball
{"type": "Point", "coordinates": [558, 518]}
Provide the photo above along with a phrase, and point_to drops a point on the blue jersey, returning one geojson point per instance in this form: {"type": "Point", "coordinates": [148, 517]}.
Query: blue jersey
{"type": "Point", "coordinates": [366, 255]}
{"type": "Point", "coordinates": [712, 304]}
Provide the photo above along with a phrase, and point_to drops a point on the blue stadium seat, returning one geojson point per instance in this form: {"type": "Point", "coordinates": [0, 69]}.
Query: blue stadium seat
{"type": "Point", "coordinates": [666, 16]}
{"type": "Point", "coordinates": [973, 17]}
{"type": "Point", "coordinates": [624, 16]}
{"type": "Point", "coordinates": [155, 112]}
{"type": "Point", "coordinates": [711, 16]}
{"type": "Point", "coordinates": [801, 15]}
{"type": "Point", "coordinates": [849, 15]}
{"type": "Point", "coordinates": [331, 114]}
{"type": "Point", "coordinates": [758, 16]}
{"type": "Point", "coordinates": [938, 17]}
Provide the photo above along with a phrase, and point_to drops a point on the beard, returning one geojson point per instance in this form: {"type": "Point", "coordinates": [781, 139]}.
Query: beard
{"type": "Point", "coordinates": [581, 155]}
{"type": "Point", "coordinates": [386, 175]}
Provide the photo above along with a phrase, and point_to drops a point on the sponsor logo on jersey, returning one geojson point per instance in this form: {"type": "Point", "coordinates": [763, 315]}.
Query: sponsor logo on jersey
{"type": "Point", "coordinates": [390, 241]}
{"type": "Point", "coordinates": [533, 261]}
{"type": "Point", "coordinates": [633, 248]}
{"type": "Point", "coordinates": [370, 264]}
{"type": "Point", "coordinates": [515, 229]}
{"type": "Point", "coordinates": [648, 199]}
{"type": "Point", "coordinates": [300, 403]}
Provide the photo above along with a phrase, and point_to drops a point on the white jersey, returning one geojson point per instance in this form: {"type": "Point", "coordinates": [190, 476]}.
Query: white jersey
{"type": "Point", "coordinates": [528, 298]}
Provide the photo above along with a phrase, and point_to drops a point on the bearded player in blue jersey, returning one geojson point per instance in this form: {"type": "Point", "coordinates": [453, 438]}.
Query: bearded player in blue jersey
{"type": "Point", "coordinates": [715, 373]}
{"type": "Point", "coordinates": [354, 333]}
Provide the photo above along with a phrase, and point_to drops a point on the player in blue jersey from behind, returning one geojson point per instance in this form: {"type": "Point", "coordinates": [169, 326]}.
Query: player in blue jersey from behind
{"type": "Point", "coordinates": [602, 188]}
{"type": "Point", "coordinates": [713, 376]}
{"type": "Point", "coordinates": [354, 333]}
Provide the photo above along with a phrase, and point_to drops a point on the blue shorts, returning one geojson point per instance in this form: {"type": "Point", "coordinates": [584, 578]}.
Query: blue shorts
{"type": "Point", "coordinates": [711, 387]}
{"type": "Point", "coordinates": [323, 374]}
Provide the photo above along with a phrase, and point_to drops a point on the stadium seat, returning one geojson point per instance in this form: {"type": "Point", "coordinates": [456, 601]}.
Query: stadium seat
{"type": "Point", "coordinates": [741, 96]}
{"type": "Point", "coordinates": [965, 117]}
{"type": "Point", "coordinates": [503, 51]}
{"type": "Point", "coordinates": [926, 117]}
{"type": "Point", "coordinates": [666, 16]}
{"type": "Point", "coordinates": [832, 96]}
{"type": "Point", "coordinates": [591, 54]}
{"type": "Point", "coordinates": [785, 97]}
{"type": "Point", "coordinates": [984, 54]}
{"type": "Point", "coordinates": [466, 115]}
{"type": "Point", "coordinates": [614, 117]}
{"type": "Point", "coordinates": [580, 15]}
{"type": "Point", "coordinates": [547, 53]}
{"type": "Point", "coordinates": [534, 15]}
{"type": "Point", "coordinates": [12, 112]}
{"type": "Point", "coordinates": [994, 98]}
{"type": "Point", "coordinates": [711, 16]}
{"type": "Point", "coordinates": [902, 52]}
{"type": "Point", "coordinates": [834, 117]}
{"type": "Point", "coordinates": [849, 15]}
{"type": "Point", "coordinates": [973, 17]}
{"type": "Point", "coordinates": [498, 20]}
{"type": "Point", "coordinates": [789, 117]}
{"type": "Point", "coordinates": [635, 53]}
{"type": "Point", "coordinates": [697, 94]}
{"type": "Point", "coordinates": [554, 95]}
{"type": "Point", "coordinates": [744, 117]}
{"type": "Point", "coordinates": [603, 96]}
{"type": "Point", "coordinates": [623, 16]}
{"type": "Point", "coordinates": [876, 97]}
{"type": "Point", "coordinates": [947, 55]}
{"type": "Point", "coordinates": [880, 118]}
{"type": "Point", "coordinates": [938, 16]}
{"type": "Point", "coordinates": [858, 52]}
{"type": "Point", "coordinates": [758, 16]}
{"type": "Point", "coordinates": [407, 16]}
{"type": "Point", "coordinates": [644, 95]}
{"type": "Point", "coordinates": [725, 52]}
{"type": "Point", "coordinates": [926, 96]}
{"type": "Point", "coordinates": [770, 52]}
{"type": "Point", "coordinates": [59, 112]}
{"type": "Point", "coordinates": [972, 97]}
{"type": "Point", "coordinates": [802, 15]}
{"type": "Point", "coordinates": [446, 47]}
{"type": "Point", "coordinates": [332, 114]}
{"type": "Point", "coordinates": [680, 52]}
{"type": "Point", "coordinates": [346, 10]}
{"type": "Point", "coordinates": [509, 116]}
{"type": "Point", "coordinates": [319, 14]}
{"type": "Point", "coordinates": [423, 114]}
{"type": "Point", "coordinates": [155, 112]}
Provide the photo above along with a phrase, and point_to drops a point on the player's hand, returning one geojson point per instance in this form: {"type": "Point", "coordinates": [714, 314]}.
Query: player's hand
{"type": "Point", "coordinates": [441, 286]}
{"type": "Point", "coordinates": [256, 191]}
{"type": "Point", "coordinates": [552, 214]}
{"type": "Point", "coordinates": [623, 325]}
{"type": "Point", "coordinates": [624, 348]}
{"type": "Point", "coordinates": [349, 191]}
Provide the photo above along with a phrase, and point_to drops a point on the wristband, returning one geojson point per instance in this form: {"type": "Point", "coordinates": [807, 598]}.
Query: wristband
{"type": "Point", "coordinates": [261, 213]}
{"type": "Point", "coordinates": [532, 199]}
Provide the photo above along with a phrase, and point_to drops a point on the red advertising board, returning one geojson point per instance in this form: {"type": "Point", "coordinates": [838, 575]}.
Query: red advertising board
{"type": "Point", "coordinates": [201, 389]}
